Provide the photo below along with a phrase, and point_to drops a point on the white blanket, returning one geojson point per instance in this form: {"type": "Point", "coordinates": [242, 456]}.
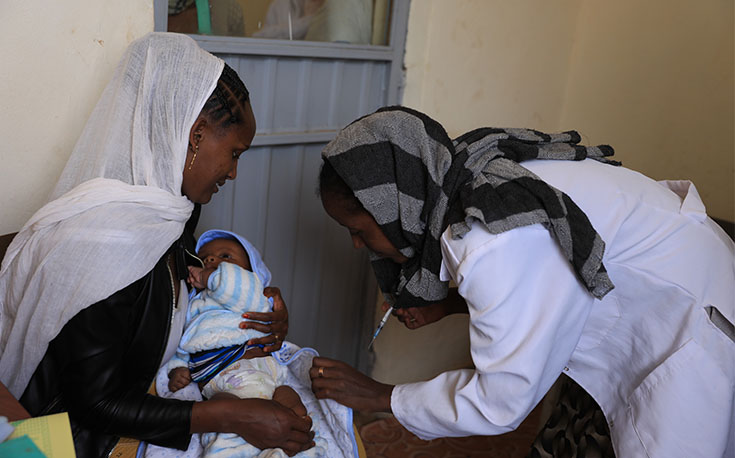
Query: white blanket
{"type": "Point", "coordinates": [331, 421]}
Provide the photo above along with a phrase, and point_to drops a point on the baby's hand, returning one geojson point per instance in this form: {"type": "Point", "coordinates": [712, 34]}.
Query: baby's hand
{"type": "Point", "coordinates": [178, 378]}
{"type": "Point", "coordinates": [198, 276]}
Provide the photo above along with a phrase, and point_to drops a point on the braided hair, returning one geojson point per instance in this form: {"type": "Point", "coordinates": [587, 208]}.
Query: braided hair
{"type": "Point", "coordinates": [225, 105]}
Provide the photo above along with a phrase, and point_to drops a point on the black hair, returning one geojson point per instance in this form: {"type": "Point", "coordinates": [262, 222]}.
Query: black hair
{"type": "Point", "coordinates": [225, 105]}
{"type": "Point", "coordinates": [332, 185]}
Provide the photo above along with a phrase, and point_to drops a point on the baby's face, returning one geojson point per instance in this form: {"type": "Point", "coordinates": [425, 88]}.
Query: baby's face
{"type": "Point", "coordinates": [218, 250]}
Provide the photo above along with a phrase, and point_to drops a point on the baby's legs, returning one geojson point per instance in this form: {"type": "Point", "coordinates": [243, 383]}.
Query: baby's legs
{"type": "Point", "coordinates": [287, 397]}
{"type": "Point", "coordinates": [246, 378]}
{"type": "Point", "coordinates": [229, 445]}
{"type": "Point", "coordinates": [251, 378]}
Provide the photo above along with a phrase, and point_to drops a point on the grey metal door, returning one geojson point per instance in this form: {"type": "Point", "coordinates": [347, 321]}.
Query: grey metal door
{"type": "Point", "coordinates": [302, 94]}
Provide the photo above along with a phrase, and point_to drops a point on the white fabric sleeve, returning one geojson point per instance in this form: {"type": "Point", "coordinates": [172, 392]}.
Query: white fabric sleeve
{"type": "Point", "coordinates": [527, 310]}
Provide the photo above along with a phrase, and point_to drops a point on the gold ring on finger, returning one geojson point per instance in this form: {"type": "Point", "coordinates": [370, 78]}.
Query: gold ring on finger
{"type": "Point", "coordinates": [321, 372]}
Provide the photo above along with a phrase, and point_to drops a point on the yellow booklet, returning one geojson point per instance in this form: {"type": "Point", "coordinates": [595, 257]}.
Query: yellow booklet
{"type": "Point", "coordinates": [51, 434]}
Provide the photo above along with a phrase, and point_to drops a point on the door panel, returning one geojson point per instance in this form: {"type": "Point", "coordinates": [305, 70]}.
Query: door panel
{"type": "Point", "coordinates": [302, 93]}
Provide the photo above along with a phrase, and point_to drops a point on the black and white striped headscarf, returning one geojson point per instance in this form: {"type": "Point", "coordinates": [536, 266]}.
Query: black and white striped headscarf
{"type": "Point", "coordinates": [415, 181]}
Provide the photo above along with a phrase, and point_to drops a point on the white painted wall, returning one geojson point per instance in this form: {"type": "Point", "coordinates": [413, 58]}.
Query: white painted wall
{"type": "Point", "coordinates": [474, 63]}
{"type": "Point", "coordinates": [56, 58]}
{"type": "Point", "coordinates": [655, 80]}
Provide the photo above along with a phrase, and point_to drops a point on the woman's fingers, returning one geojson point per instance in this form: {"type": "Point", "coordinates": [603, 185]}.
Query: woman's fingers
{"type": "Point", "coordinates": [325, 368]}
{"type": "Point", "coordinates": [274, 347]}
{"type": "Point", "coordinates": [272, 342]}
{"type": "Point", "coordinates": [409, 317]}
{"type": "Point", "coordinates": [320, 361]}
{"type": "Point", "coordinates": [262, 327]}
{"type": "Point", "coordinates": [255, 352]}
{"type": "Point", "coordinates": [385, 306]}
{"type": "Point", "coordinates": [275, 293]}
{"type": "Point", "coordinates": [264, 317]}
{"type": "Point", "coordinates": [263, 423]}
{"type": "Point", "coordinates": [274, 323]}
{"type": "Point", "coordinates": [302, 424]}
{"type": "Point", "coordinates": [309, 445]}
{"type": "Point", "coordinates": [264, 322]}
{"type": "Point", "coordinates": [269, 343]}
{"type": "Point", "coordinates": [293, 447]}
{"type": "Point", "coordinates": [298, 441]}
{"type": "Point", "coordinates": [269, 340]}
{"type": "Point", "coordinates": [299, 436]}
{"type": "Point", "coordinates": [262, 347]}
{"type": "Point", "coordinates": [279, 306]}
{"type": "Point", "coordinates": [416, 317]}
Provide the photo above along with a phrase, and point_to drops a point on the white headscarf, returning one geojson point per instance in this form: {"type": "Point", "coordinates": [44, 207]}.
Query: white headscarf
{"type": "Point", "coordinates": [118, 205]}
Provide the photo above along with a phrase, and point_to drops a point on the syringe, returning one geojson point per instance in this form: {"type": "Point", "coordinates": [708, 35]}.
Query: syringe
{"type": "Point", "coordinates": [380, 326]}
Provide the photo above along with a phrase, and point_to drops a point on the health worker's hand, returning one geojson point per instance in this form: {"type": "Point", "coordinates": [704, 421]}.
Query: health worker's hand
{"type": "Point", "coordinates": [274, 323]}
{"type": "Point", "coordinates": [416, 317]}
{"type": "Point", "coordinates": [332, 379]}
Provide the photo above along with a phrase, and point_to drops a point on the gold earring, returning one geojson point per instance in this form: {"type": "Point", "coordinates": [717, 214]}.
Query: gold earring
{"type": "Point", "coordinates": [196, 150]}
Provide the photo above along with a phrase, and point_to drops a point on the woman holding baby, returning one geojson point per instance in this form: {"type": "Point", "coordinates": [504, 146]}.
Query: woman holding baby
{"type": "Point", "coordinates": [93, 285]}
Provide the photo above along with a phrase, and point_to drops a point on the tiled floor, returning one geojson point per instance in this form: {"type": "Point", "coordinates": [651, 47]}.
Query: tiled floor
{"type": "Point", "coordinates": [386, 438]}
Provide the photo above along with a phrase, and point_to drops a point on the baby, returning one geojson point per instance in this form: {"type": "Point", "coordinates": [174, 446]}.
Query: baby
{"type": "Point", "coordinates": [211, 349]}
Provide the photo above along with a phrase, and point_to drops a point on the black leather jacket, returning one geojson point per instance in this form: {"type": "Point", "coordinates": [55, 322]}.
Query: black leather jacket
{"type": "Point", "coordinates": [101, 365]}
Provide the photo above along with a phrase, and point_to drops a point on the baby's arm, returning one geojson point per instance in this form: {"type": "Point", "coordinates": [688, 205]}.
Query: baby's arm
{"type": "Point", "coordinates": [178, 371]}
{"type": "Point", "coordinates": [178, 378]}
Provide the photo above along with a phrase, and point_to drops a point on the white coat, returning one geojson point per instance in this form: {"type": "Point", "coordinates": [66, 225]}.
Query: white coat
{"type": "Point", "coordinates": [657, 353]}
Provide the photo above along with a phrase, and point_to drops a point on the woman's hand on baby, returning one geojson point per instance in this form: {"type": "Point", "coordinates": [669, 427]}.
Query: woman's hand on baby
{"type": "Point", "coordinates": [261, 422]}
{"type": "Point", "coordinates": [274, 323]}
{"type": "Point", "coordinates": [178, 378]}
{"type": "Point", "coordinates": [332, 379]}
{"type": "Point", "coordinates": [198, 277]}
{"type": "Point", "coordinates": [278, 426]}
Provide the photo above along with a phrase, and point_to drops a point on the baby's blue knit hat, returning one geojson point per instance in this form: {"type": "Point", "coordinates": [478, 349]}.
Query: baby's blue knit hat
{"type": "Point", "coordinates": [256, 262]}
